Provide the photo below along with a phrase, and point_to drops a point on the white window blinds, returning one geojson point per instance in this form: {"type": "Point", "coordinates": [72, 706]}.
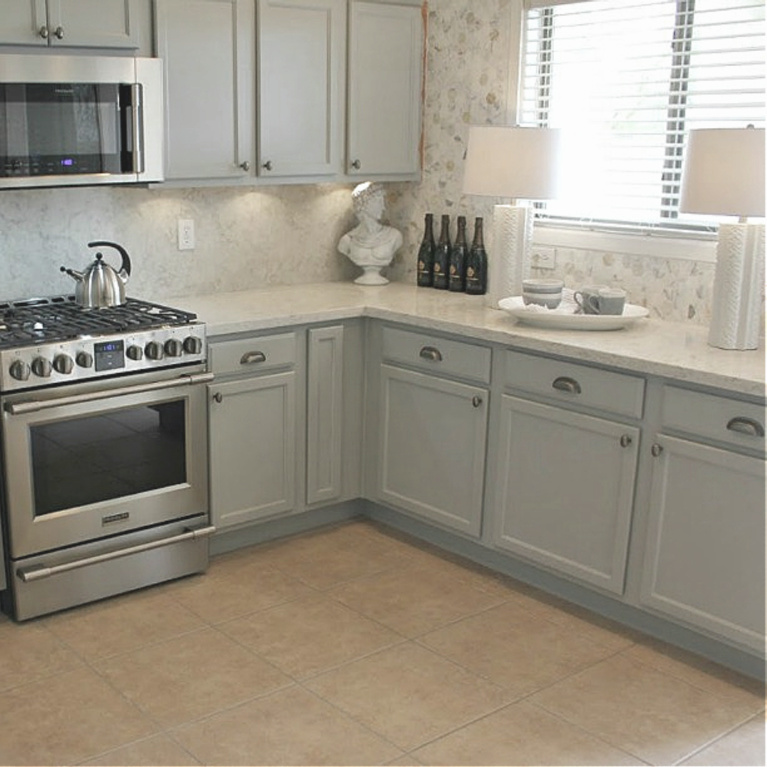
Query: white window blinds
{"type": "Point", "coordinates": [626, 80]}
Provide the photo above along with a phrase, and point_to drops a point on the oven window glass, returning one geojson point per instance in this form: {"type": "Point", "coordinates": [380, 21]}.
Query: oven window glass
{"type": "Point", "coordinates": [100, 457]}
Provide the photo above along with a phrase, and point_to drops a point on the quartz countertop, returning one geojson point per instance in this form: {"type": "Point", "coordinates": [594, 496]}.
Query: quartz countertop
{"type": "Point", "coordinates": [649, 346]}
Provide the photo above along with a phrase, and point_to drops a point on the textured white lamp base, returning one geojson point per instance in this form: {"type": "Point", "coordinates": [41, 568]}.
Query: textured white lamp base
{"type": "Point", "coordinates": [508, 263]}
{"type": "Point", "coordinates": [738, 287]}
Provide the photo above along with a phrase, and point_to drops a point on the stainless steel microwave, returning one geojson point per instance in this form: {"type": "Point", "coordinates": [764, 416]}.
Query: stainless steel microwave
{"type": "Point", "coordinates": [80, 120]}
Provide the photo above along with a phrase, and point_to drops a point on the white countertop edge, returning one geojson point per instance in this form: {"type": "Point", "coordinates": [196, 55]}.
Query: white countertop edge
{"type": "Point", "coordinates": [675, 351]}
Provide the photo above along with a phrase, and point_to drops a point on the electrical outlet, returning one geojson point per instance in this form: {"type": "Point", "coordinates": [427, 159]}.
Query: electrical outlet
{"type": "Point", "coordinates": [543, 257]}
{"type": "Point", "coordinates": [186, 234]}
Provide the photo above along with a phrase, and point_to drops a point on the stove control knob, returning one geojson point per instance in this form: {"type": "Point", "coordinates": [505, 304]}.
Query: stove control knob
{"type": "Point", "coordinates": [63, 363]}
{"type": "Point", "coordinates": [154, 350]}
{"type": "Point", "coordinates": [84, 359]}
{"type": "Point", "coordinates": [192, 345]}
{"type": "Point", "coordinates": [41, 367]}
{"type": "Point", "coordinates": [19, 370]}
{"type": "Point", "coordinates": [135, 353]}
{"type": "Point", "coordinates": [173, 347]}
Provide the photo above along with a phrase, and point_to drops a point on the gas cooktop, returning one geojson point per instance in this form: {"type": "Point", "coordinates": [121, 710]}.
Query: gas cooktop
{"type": "Point", "coordinates": [33, 321]}
{"type": "Point", "coordinates": [52, 341]}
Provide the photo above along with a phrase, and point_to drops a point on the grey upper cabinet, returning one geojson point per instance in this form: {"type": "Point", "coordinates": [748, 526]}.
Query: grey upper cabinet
{"type": "Point", "coordinates": [704, 561]}
{"type": "Point", "coordinates": [386, 47]}
{"type": "Point", "coordinates": [73, 23]}
{"type": "Point", "coordinates": [301, 66]}
{"type": "Point", "coordinates": [207, 49]}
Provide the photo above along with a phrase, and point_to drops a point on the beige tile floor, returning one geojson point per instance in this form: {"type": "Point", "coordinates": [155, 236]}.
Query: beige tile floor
{"type": "Point", "coordinates": [357, 645]}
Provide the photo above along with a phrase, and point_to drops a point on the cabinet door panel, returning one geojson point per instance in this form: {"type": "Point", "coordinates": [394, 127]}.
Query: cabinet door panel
{"type": "Point", "coordinates": [325, 414]}
{"type": "Point", "coordinates": [300, 66]}
{"type": "Point", "coordinates": [21, 21]}
{"type": "Point", "coordinates": [253, 448]}
{"type": "Point", "coordinates": [94, 23]}
{"type": "Point", "coordinates": [207, 105]}
{"type": "Point", "coordinates": [384, 112]}
{"type": "Point", "coordinates": [705, 556]}
{"type": "Point", "coordinates": [566, 490]}
{"type": "Point", "coordinates": [432, 447]}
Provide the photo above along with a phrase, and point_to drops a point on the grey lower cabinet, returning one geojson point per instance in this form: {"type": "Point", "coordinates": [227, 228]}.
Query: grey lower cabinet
{"type": "Point", "coordinates": [253, 429]}
{"type": "Point", "coordinates": [563, 488]}
{"type": "Point", "coordinates": [432, 428]}
{"type": "Point", "coordinates": [285, 422]}
{"type": "Point", "coordinates": [704, 561]}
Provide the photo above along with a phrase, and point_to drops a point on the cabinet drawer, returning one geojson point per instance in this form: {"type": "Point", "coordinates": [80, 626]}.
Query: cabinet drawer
{"type": "Point", "coordinates": [579, 384]}
{"type": "Point", "coordinates": [712, 417]}
{"type": "Point", "coordinates": [437, 355]}
{"type": "Point", "coordinates": [253, 355]}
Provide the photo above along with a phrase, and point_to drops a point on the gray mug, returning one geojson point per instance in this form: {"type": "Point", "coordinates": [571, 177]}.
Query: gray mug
{"type": "Point", "coordinates": [584, 296]}
{"type": "Point", "coordinates": [604, 300]}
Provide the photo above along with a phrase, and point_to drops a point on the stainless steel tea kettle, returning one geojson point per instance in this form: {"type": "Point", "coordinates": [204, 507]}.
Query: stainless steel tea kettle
{"type": "Point", "coordinates": [100, 285]}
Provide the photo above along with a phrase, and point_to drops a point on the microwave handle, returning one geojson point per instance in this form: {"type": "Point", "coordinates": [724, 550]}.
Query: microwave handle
{"type": "Point", "coordinates": [136, 127]}
{"type": "Point", "coordinates": [32, 406]}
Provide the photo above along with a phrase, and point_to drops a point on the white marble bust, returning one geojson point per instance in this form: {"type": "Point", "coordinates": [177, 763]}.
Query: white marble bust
{"type": "Point", "coordinates": [371, 245]}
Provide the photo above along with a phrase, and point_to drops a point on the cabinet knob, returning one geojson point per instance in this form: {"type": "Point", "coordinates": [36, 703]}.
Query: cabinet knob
{"type": "Point", "coordinates": [245, 165]}
{"type": "Point", "coordinates": [625, 440]}
{"type": "Point", "coordinates": [656, 449]}
{"type": "Point", "coordinates": [430, 353]}
{"type": "Point", "coordinates": [59, 33]}
{"type": "Point", "coordinates": [43, 32]}
{"type": "Point", "coordinates": [566, 384]}
{"type": "Point", "coordinates": [267, 165]}
{"type": "Point", "coordinates": [476, 400]}
{"type": "Point", "coordinates": [356, 164]}
{"type": "Point", "coordinates": [218, 397]}
{"type": "Point", "coordinates": [747, 426]}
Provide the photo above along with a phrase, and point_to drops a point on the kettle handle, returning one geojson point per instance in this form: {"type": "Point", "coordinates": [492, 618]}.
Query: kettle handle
{"type": "Point", "coordinates": [125, 266]}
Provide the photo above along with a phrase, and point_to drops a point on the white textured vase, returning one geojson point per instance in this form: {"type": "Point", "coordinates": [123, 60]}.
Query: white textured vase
{"type": "Point", "coordinates": [508, 263]}
{"type": "Point", "coordinates": [738, 287]}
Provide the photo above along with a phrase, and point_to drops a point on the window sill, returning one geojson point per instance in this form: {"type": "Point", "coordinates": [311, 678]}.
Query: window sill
{"type": "Point", "coordinates": [653, 245]}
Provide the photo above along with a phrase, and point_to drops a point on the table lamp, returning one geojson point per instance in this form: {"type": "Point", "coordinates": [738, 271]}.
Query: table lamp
{"type": "Point", "coordinates": [515, 163]}
{"type": "Point", "coordinates": [723, 174]}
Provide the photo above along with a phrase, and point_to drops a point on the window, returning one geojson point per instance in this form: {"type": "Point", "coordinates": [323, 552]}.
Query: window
{"type": "Point", "coordinates": [626, 80]}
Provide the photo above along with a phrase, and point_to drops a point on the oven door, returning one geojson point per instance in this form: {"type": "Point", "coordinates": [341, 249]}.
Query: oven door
{"type": "Point", "coordinates": [87, 465]}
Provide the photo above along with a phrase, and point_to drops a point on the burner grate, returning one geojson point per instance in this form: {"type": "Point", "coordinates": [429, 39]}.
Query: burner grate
{"type": "Point", "coordinates": [44, 320]}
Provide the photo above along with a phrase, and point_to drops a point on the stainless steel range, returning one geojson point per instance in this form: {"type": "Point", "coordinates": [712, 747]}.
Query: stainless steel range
{"type": "Point", "coordinates": [104, 450]}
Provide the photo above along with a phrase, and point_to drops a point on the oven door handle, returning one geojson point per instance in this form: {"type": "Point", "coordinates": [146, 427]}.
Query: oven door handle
{"type": "Point", "coordinates": [32, 406]}
{"type": "Point", "coordinates": [38, 572]}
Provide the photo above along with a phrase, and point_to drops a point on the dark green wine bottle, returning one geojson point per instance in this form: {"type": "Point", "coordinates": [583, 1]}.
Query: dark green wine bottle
{"type": "Point", "coordinates": [442, 255]}
{"type": "Point", "coordinates": [476, 263]}
{"type": "Point", "coordinates": [457, 269]}
{"type": "Point", "coordinates": [425, 266]}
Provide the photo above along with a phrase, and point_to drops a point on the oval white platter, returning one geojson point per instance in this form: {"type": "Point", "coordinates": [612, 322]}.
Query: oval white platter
{"type": "Point", "coordinates": [551, 318]}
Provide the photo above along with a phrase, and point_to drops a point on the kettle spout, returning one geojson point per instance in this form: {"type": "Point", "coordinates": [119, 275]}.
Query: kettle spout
{"type": "Point", "coordinates": [77, 276]}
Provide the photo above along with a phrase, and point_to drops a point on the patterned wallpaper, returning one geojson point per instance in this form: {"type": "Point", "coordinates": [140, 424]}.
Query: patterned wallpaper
{"type": "Point", "coordinates": [287, 234]}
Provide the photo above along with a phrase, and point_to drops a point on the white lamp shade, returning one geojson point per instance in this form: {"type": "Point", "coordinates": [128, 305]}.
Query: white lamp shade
{"type": "Point", "coordinates": [512, 162]}
{"type": "Point", "coordinates": [723, 172]}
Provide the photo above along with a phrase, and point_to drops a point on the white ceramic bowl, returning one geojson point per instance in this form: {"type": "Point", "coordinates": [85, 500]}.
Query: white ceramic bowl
{"type": "Point", "coordinates": [546, 293]}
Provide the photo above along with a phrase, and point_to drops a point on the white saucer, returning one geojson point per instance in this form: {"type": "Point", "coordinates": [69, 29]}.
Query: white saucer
{"type": "Point", "coordinates": [539, 316]}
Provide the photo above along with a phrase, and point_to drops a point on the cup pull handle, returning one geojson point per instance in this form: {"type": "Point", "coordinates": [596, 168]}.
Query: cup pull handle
{"type": "Point", "coordinates": [252, 358]}
{"type": "Point", "coordinates": [747, 426]}
{"type": "Point", "coordinates": [566, 384]}
{"type": "Point", "coordinates": [430, 353]}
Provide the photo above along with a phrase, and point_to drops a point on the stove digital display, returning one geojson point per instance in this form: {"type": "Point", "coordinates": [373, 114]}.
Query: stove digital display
{"type": "Point", "coordinates": [109, 355]}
